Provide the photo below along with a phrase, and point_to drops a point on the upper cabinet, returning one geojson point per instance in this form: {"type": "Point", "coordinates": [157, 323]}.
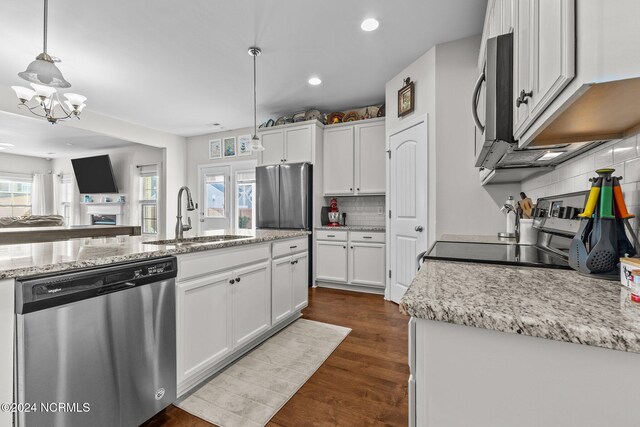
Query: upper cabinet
{"type": "Point", "coordinates": [544, 57]}
{"type": "Point", "coordinates": [354, 158]}
{"type": "Point", "coordinates": [293, 143]}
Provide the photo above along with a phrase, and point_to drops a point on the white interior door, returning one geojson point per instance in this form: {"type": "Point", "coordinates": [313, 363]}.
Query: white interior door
{"type": "Point", "coordinates": [214, 191]}
{"type": "Point", "coordinates": [408, 205]}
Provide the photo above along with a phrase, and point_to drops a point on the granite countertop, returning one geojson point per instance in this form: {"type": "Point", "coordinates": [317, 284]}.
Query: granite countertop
{"type": "Point", "coordinates": [371, 228]}
{"type": "Point", "coordinates": [30, 259]}
{"type": "Point", "coordinates": [560, 305]}
{"type": "Point", "coordinates": [476, 238]}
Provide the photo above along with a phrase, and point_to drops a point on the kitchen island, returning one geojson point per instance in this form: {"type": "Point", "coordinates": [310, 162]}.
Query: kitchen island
{"type": "Point", "coordinates": [477, 357]}
{"type": "Point", "coordinates": [234, 290]}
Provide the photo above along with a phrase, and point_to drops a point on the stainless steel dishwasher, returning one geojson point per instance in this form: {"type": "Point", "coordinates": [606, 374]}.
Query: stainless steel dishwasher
{"type": "Point", "coordinates": [96, 347]}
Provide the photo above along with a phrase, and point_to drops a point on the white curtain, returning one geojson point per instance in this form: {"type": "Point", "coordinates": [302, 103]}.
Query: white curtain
{"type": "Point", "coordinates": [41, 194]}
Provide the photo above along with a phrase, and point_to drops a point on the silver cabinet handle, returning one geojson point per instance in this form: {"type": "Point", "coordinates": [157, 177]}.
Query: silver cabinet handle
{"type": "Point", "coordinates": [522, 99]}
{"type": "Point", "coordinates": [293, 247]}
{"type": "Point", "coordinates": [474, 102]}
{"type": "Point", "coordinates": [367, 237]}
{"type": "Point", "coordinates": [419, 228]}
{"type": "Point", "coordinates": [331, 235]}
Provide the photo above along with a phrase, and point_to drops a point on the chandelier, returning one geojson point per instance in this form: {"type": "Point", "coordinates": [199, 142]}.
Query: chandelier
{"type": "Point", "coordinates": [256, 145]}
{"type": "Point", "coordinates": [45, 78]}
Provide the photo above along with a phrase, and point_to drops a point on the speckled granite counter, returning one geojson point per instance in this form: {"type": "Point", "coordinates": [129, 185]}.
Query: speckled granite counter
{"type": "Point", "coordinates": [554, 304]}
{"type": "Point", "coordinates": [38, 258]}
{"type": "Point", "coordinates": [354, 228]}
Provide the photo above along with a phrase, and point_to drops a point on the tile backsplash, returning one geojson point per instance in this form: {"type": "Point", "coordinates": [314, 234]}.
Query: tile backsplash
{"type": "Point", "coordinates": [363, 210]}
{"type": "Point", "coordinates": [621, 155]}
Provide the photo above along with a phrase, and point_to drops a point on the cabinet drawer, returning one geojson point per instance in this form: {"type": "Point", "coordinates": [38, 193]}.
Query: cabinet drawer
{"type": "Point", "coordinates": [367, 237]}
{"type": "Point", "coordinates": [340, 236]}
{"type": "Point", "coordinates": [290, 247]}
{"type": "Point", "coordinates": [206, 262]}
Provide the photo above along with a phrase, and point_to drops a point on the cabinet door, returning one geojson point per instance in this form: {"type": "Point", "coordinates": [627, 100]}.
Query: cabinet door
{"type": "Point", "coordinates": [553, 59]}
{"type": "Point", "coordinates": [496, 18]}
{"type": "Point", "coordinates": [251, 302]}
{"type": "Point", "coordinates": [203, 323]}
{"type": "Point", "coordinates": [507, 16]}
{"type": "Point", "coordinates": [544, 61]}
{"type": "Point", "coordinates": [370, 159]}
{"type": "Point", "coordinates": [281, 289]}
{"type": "Point", "coordinates": [300, 278]}
{"type": "Point", "coordinates": [298, 145]}
{"type": "Point", "coordinates": [331, 261]}
{"type": "Point", "coordinates": [273, 143]}
{"type": "Point", "coordinates": [521, 62]}
{"type": "Point", "coordinates": [338, 161]}
{"type": "Point", "coordinates": [367, 264]}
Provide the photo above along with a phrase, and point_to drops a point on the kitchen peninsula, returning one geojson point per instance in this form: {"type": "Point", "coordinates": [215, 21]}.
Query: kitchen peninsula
{"type": "Point", "coordinates": [240, 314]}
{"type": "Point", "coordinates": [476, 357]}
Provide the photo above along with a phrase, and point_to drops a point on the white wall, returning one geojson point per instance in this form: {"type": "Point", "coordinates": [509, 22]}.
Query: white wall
{"type": "Point", "coordinates": [463, 206]}
{"type": "Point", "coordinates": [124, 161]}
{"type": "Point", "coordinates": [623, 156]}
{"type": "Point", "coordinates": [444, 79]}
{"type": "Point", "coordinates": [14, 163]}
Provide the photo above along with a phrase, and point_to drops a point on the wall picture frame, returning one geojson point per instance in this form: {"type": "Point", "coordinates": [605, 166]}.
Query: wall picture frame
{"type": "Point", "coordinates": [215, 149]}
{"type": "Point", "coordinates": [244, 145]}
{"type": "Point", "coordinates": [229, 146]}
{"type": "Point", "coordinates": [406, 98]}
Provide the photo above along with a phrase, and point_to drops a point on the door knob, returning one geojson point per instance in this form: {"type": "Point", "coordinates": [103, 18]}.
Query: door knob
{"type": "Point", "coordinates": [419, 228]}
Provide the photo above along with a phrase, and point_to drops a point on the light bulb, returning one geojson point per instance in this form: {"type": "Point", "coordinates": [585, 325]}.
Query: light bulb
{"type": "Point", "coordinates": [369, 24]}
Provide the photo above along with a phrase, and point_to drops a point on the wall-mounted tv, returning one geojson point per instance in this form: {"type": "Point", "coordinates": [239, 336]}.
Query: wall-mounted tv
{"type": "Point", "coordinates": [94, 175]}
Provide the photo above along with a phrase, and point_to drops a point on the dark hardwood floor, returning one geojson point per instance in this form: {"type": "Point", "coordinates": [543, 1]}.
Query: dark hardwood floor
{"type": "Point", "coordinates": [364, 381]}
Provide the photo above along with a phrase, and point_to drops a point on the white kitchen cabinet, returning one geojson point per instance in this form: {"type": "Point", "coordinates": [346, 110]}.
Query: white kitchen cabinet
{"type": "Point", "coordinates": [224, 300]}
{"type": "Point", "coordinates": [367, 264]}
{"type": "Point", "coordinates": [204, 323]}
{"type": "Point", "coordinates": [370, 158]}
{"type": "Point", "coordinates": [292, 143]}
{"type": "Point", "coordinates": [358, 262]}
{"type": "Point", "coordinates": [290, 285]}
{"type": "Point", "coordinates": [331, 258]}
{"type": "Point", "coordinates": [251, 295]}
{"type": "Point", "coordinates": [354, 158]}
{"type": "Point", "coordinates": [339, 147]}
{"type": "Point", "coordinates": [544, 56]}
{"type": "Point", "coordinates": [300, 278]}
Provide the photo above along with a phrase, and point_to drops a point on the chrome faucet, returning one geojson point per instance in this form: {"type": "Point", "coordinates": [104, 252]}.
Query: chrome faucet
{"type": "Point", "coordinates": [180, 227]}
{"type": "Point", "coordinates": [509, 208]}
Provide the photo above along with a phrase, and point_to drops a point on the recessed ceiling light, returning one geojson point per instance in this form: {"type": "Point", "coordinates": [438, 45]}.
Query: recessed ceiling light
{"type": "Point", "coordinates": [369, 24]}
{"type": "Point", "coordinates": [314, 81]}
{"type": "Point", "coordinates": [6, 144]}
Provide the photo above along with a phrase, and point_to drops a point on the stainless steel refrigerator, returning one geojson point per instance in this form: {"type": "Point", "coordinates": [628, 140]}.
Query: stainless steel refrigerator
{"type": "Point", "coordinates": [284, 196]}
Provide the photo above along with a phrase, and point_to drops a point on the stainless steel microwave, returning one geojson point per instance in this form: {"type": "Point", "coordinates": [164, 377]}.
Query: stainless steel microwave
{"type": "Point", "coordinates": [497, 131]}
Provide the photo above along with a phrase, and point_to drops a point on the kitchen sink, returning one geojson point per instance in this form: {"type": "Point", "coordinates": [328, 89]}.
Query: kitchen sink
{"type": "Point", "coordinates": [202, 240]}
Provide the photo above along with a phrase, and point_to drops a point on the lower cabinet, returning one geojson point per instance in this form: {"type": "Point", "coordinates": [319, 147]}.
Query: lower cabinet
{"type": "Point", "coordinates": [331, 261]}
{"type": "Point", "coordinates": [251, 296]}
{"type": "Point", "coordinates": [290, 287]}
{"type": "Point", "coordinates": [223, 311]}
{"type": "Point", "coordinates": [358, 260]}
{"type": "Point", "coordinates": [366, 264]}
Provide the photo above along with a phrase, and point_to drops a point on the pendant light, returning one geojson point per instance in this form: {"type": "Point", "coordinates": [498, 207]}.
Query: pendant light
{"type": "Point", "coordinates": [256, 144]}
{"type": "Point", "coordinates": [43, 70]}
{"type": "Point", "coordinates": [43, 100]}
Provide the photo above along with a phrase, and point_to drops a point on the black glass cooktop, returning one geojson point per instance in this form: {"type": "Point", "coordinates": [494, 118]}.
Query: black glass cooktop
{"type": "Point", "coordinates": [496, 253]}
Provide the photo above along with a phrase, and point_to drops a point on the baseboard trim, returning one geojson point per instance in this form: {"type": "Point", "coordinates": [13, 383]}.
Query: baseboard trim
{"type": "Point", "coordinates": [353, 288]}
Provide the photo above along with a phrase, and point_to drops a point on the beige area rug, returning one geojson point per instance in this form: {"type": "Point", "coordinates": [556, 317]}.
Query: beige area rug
{"type": "Point", "coordinates": [251, 390]}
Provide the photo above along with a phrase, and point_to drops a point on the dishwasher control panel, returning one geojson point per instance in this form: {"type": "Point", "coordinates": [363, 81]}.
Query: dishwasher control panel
{"type": "Point", "coordinates": [41, 292]}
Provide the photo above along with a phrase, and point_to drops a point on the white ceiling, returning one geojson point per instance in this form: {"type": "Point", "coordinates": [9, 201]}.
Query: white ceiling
{"type": "Point", "coordinates": [179, 65]}
{"type": "Point", "coordinates": [38, 138]}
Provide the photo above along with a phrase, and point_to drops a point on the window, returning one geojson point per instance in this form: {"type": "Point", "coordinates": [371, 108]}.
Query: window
{"type": "Point", "coordinates": [66, 198]}
{"type": "Point", "coordinates": [245, 196]}
{"type": "Point", "coordinates": [215, 196]}
{"type": "Point", "coordinates": [149, 198]}
{"type": "Point", "coordinates": [15, 196]}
